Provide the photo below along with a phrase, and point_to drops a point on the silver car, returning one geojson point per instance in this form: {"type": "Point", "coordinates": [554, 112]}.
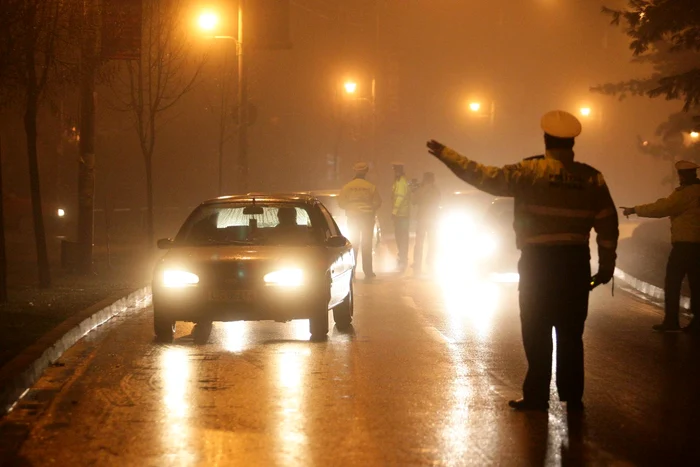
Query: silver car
{"type": "Point", "coordinates": [255, 257]}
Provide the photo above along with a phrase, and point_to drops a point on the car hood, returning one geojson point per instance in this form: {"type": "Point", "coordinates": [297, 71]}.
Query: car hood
{"type": "Point", "coordinates": [257, 259]}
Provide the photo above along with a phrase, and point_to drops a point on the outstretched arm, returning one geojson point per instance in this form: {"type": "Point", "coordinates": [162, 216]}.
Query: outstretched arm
{"type": "Point", "coordinates": [498, 181]}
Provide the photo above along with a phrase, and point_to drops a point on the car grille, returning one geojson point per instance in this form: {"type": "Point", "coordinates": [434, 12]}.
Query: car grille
{"type": "Point", "coordinates": [228, 274]}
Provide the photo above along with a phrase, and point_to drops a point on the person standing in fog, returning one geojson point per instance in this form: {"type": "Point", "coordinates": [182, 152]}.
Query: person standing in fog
{"type": "Point", "coordinates": [360, 199]}
{"type": "Point", "coordinates": [683, 207]}
{"type": "Point", "coordinates": [557, 203]}
{"type": "Point", "coordinates": [400, 213]}
{"type": "Point", "coordinates": [427, 202]}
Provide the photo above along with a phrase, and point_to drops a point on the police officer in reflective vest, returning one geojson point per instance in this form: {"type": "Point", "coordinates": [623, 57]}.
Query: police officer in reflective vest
{"type": "Point", "coordinates": [683, 207]}
{"type": "Point", "coordinates": [360, 199]}
{"type": "Point", "coordinates": [400, 213]}
{"type": "Point", "coordinates": [557, 203]}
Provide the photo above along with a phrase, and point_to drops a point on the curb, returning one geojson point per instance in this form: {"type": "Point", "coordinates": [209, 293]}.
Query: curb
{"type": "Point", "coordinates": [652, 291]}
{"type": "Point", "coordinates": [20, 373]}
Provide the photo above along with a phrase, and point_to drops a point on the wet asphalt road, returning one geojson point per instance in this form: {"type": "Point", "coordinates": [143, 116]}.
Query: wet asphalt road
{"type": "Point", "coordinates": [424, 379]}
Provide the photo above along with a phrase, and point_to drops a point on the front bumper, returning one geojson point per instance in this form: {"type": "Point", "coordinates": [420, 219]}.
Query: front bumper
{"type": "Point", "coordinates": [256, 304]}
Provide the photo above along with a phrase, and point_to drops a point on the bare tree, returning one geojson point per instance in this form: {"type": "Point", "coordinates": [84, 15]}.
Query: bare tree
{"type": "Point", "coordinates": [167, 70]}
{"type": "Point", "coordinates": [33, 45]}
{"type": "Point", "coordinates": [9, 18]}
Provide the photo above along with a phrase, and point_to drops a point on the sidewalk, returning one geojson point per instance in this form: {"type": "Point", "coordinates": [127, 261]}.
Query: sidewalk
{"type": "Point", "coordinates": [32, 312]}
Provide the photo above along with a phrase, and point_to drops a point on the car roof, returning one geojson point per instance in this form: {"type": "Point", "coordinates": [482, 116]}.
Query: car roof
{"type": "Point", "coordinates": [502, 201]}
{"type": "Point", "coordinates": [332, 193]}
{"type": "Point", "coordinates": [304, 198]}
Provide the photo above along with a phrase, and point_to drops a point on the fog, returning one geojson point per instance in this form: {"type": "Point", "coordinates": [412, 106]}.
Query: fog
{"type": "Point", "coordinates": [430, 59]}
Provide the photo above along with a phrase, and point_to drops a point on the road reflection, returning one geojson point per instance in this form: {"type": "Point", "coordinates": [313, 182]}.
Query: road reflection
{"type": "Point", "coordinates": [469, 300]}
{"type": "Point", "coordinates": [292, 362]}
{"type": "Point", "coordinates": [457, 427]}
{"type": "Point", "coordinates": [176, 373]}
{"type": "Point", "coordinates": [235, 336]}
{"type": "Point", "coordinates": [557, 428]}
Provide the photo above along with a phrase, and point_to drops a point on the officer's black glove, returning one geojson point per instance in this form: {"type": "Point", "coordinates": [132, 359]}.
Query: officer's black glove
{"type": "Point", "coordinates": [435, 148]}
{"type": "Point", "coordinates": [628, 211]}
{"type": "Point", "coordinates": [603, 277]}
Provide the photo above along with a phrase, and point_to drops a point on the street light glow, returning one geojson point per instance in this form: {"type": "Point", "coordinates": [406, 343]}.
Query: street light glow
{"type": "Point", "coordinates": [350, 87]}
{"type": "Point", "coordinates": [208, 21]}
{"type": "Point", "coordinates": [474, 106]}
{"type": "Point", "coordinates": [694, 134]}
{"type": "Point", "coordinates": [585, 111]}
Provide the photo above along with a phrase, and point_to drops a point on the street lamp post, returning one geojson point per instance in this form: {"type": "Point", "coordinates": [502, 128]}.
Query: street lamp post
{"type": "Point", "coordinates": [242, 101]}
{"type": "Point", "coordinates": [209, 21]}
{"type": "Point", "coordinates": [350, 87]}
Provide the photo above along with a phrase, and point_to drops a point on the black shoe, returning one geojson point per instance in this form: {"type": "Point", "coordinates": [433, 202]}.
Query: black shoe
{"type": "Point", "coordinates": [692, 328]}
{"type": "Point", "coordinates": [522, 404]}
{"type": "Point", "coordinates": [575, 406]}
{"type": "Point", "coordinates": [667, 327]}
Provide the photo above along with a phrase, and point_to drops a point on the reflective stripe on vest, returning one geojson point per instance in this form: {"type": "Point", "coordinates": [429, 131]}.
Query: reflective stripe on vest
{"type": "Point", "coordinates": [559, 212]}
{"type": "Point", "coordinates": [553, 239]}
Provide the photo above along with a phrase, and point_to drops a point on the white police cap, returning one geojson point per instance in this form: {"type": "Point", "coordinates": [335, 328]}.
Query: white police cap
{"type": "Point", "coordinates": [361, 167]}
{"type": "Point", "coordinates": [686, 165]}
{"type": "Point", "coordinates": [560, 124]}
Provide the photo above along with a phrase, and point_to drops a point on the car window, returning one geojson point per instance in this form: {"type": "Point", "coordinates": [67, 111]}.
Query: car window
{"type": "Point", "coordinates": [332, 229]}
{"type": "Point", "coordinates": [248, 224]}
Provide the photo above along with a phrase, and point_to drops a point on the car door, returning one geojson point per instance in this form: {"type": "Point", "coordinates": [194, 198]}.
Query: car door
{"type": "Point", "coordinates": [341, 259]}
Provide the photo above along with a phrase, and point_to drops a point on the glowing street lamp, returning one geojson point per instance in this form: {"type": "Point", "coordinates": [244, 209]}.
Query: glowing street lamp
{"type": "Point", "coordinates": [208, 21]}
{"type": "Point", "coordinates": [474, 106]}
{"type": "Point", "coordinates": [585, 111]}
{"type": "Point", "coordinates": [694, 134]}
{"type": "Point", "coordinates": [350, 87]}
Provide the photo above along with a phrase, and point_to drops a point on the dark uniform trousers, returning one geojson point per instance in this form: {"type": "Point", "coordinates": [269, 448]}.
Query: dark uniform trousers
{"type": "Point", "coordinates": [401, 232]}
{"type": "Point", "coordinates": [425, 232]}
{"type": "Point", "coordinates": [361, 229]}
{"type": "Point", "coordinates": [683, 260]}
{"type": "Point", "coordinates": [554, 289]}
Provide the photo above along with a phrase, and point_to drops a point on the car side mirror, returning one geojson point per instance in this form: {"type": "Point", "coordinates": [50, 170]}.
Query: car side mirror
{"type": "Point", "coordinates": [337, 241]}
{"type": "Point", "coordinates": [165, 243]}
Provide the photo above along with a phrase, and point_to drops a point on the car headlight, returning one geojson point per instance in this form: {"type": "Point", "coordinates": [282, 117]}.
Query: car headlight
{"type": "Point", "coordinates": [285, 278]}
{"type": "Point", "coordinates": [173, 278]}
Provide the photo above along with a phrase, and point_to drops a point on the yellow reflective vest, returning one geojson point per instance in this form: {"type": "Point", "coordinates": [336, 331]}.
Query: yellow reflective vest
{"type": "Point", "coordinates": [359, 197]}
{"type": "Point", "coordinates": [683, 207]}
{"type": "Point", "coordinates": [401, 197]}
{"type": "Point", "coordinates": [557, 200]}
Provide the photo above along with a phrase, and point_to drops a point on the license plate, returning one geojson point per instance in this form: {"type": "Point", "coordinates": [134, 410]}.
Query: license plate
{"type": "Point", "coordinates": [233, 296]}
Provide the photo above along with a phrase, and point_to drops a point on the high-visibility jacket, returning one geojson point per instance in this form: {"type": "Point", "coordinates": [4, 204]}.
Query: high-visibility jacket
{"type": "Point", "coordinates": [401, 197]}
{"type": "Point", "coordinates": [359, 197]}
{"type": "Point", "coordinates": [683, 207]}
{"type": "Point", "coordinates": [557, 200]}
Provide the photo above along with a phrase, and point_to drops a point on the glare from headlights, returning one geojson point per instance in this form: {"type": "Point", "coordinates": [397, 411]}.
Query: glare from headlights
{"type": "Point", "coordinates": [60, 213]}
{"type": "Point", "coordinates": [463, 240]}
{"type": "Point", "coordinates": [285, 278]}
{"type": "Point", "coordinates": [487, 245]}
{"type": "Point", "coordinates": [173, 278]}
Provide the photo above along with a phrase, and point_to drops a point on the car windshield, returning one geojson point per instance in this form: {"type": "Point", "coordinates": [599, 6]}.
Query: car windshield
{"type": "Point", "coordinates": [250, 224]}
